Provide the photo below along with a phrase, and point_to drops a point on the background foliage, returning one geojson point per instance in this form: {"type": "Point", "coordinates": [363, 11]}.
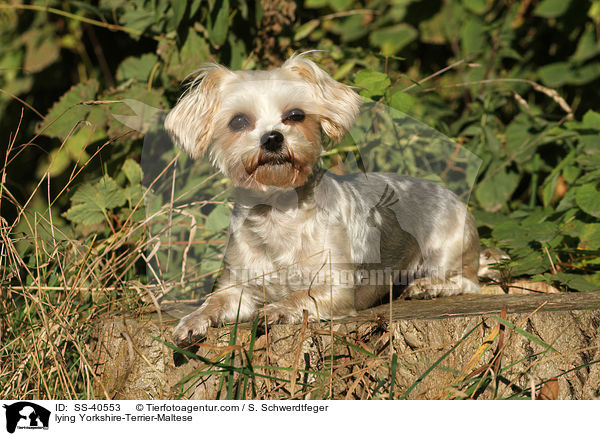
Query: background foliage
{"type": "Point", "coordinates": [516, 83]}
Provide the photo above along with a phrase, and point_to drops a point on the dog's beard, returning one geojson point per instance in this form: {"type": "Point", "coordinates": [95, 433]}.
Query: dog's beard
{"type": "Point", "coordinates": [259, 170]}
{"type": "Point", "coordinates": [287, 169]}
{"type": "Point", "coordinates": [281, 175]}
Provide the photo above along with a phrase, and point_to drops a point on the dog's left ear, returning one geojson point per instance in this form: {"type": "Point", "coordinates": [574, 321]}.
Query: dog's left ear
{"type": "Point", "coordinates": [339, 103]}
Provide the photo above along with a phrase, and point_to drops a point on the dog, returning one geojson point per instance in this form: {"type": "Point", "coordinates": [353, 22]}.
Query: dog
{"type": "Point", "coordinates": [302, 238]}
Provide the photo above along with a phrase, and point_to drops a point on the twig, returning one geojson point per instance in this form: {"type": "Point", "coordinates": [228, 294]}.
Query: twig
{"type": "Point", "coordinates": [437, 73]}
{"type": "Point", "coordinates": [113, 27]}
{"type": "Point", "coordinates": [24, 103]}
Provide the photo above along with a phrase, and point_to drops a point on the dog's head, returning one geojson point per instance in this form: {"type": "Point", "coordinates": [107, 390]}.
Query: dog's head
{"type": "Point", "coordinates": [263, 128]}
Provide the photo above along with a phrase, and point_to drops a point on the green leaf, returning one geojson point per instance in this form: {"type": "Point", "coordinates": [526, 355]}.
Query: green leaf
{"type": "Point", "coordinates": [519, 134]}
{"type": "Point", "coordinates": [238, 52]}
{"type": "Point", "coordinates": [136, 17]}
{"type": "Point", "coordinates": [345, 69]}
{"type": "Point", "coordinates": [72, 151]}
{"type": "Point", "coordinates": [373, 83]}
{"type": "Point", "coordinates": [82, 214]}
{"type": "Point", "coordinates": [488, 219]}
{"type": "Point", "coordinates": [561, 73]}
{"type": "Point", "coordinates": [259, 12]}
{"type": "Point", "coordinates": [105, 194]}
{"type": "Point", "coordinates": [590, 143]}
{"type": "Point", "coordinates": [492, 140]}
{"type": "Point", "coordinates": [580, 75]}
{"type": "Point", "coordinates": [552, 8]}
{"type": "Point", "coordinates": [138, 110]}
{"type": "Point", "coordinates": [340, 5]}
{"type": "Point", "coordinates": [178, 11]}
{"type": "Point", "coordinates": [193, 53]}
{"type": "Point", "coordinates": [493, 192]}
{"type": "Point", "coordinates": [194, 5]}
{"type": "Point", "coordinates": [393, 39]}
{"type": "Point", "coordinates": [314, 4]}
{"type": "Point", "coordinates": [549, 189]}
{"type": "Point", "coordinates": [542, 232]}
{"type": "Point", "coordinates": [516, 234]}
{"type": "Point", "coordinates": [93, 201]}
{"type": "Point", "coordinates": [473, 36]}
{"type": "Point", "coordinates": [218, 219]}
{"type": "Point", "coordinates": [42, 49]}
{"type": "Point", "coordinates": [218, 33]}
{"type": "Point", "coordinates": [587, 47]}
{"type": "Point", "coordinates": [402, 101]}
{"type": "Point", "coordinates": [571, 173]}
{"type": "Point", "coordinates": [67, 112]}
{"type": "Point", "coordinates": [137, 68]}
{"type": "Point", "coordinates": [589, 239]}
{"type": "Point", "coordinates": [591, 120]}
{"type": "Point", "coordinates": [432, 31]}
{"type": "Point", "coordinates": [580, 282]}
{"type": "Point", "coordinates": [58, 161]}
{"type": "Point", "coordinates": [476, 6]}
{"type": "Point", "coordinates": [554, 74]}
{"type": "Point", "coordinates": [510, 234]}
{"type": "Point", "coordinates": [209, 265]}
{"type": "Point", "coordinates": [305, 30]}
{"type": "Point", "coordinates": [532, 263]}
{"type": "Point", "coordinates": [352, 28]}
{"type": "Point", "coordinates": [133, 194]}
{"type": "Point", "coordinates": [587, 198]}
{"type": "Point", "coordinates": [574, 227]}
{"type": "Point", "coordinates": [133, 172]}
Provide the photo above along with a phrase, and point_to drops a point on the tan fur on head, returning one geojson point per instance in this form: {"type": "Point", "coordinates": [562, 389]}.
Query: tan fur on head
{"type": "Point", "coordinates": [338, 103]}
{"type": "Point", "coordinates": [195, 125]}
{"type": "Point", "coordinates": [191, 122]}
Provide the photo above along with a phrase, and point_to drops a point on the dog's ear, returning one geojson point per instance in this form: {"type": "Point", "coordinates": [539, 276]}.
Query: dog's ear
{"type": "Point", "coordinates": [191, 122]}
{"type": "Point", "coordinates": [338, 103]}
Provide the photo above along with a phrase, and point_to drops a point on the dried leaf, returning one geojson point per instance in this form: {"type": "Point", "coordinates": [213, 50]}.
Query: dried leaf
{"type": "Point", "coordinates": [549, 390]}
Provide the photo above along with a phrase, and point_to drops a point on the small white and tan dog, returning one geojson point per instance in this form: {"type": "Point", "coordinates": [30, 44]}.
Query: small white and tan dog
{"type": "Point", "coordinates": [311, 239]}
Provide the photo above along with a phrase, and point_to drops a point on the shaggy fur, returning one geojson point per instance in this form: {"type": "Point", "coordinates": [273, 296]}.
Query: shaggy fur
{"type": "Point", "coordinates": [302, 238]}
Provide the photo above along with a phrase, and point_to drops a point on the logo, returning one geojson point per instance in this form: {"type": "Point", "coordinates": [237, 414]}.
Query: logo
{"type": "Point", "coordinates": [26, 415]}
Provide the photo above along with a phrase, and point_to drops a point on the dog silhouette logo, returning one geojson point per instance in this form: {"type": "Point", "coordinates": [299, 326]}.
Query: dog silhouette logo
{"type": "Point", "coordinates": [26, 415]}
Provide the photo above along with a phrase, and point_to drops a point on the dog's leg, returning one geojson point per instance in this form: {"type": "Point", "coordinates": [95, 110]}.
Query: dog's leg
{"type": "Point", "coordinates": [221, 307]}
{"type": "Point", "coordinates": [456, 265]}
{"type": "Point", "coordinates": [321, 302]}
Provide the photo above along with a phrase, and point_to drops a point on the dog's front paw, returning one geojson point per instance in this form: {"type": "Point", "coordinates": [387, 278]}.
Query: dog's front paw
{"type": "Point", "coordinates": [278, 314]}
{"type": "Point", "coordinates": [193, 327]}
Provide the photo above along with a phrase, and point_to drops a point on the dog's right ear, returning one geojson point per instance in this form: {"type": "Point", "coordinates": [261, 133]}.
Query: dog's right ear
{"type": "Point", "coordinates": [191, 122]}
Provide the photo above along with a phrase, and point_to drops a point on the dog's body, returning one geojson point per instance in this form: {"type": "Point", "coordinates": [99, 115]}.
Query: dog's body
{"type": "Point", "coordinates": [302, 238]}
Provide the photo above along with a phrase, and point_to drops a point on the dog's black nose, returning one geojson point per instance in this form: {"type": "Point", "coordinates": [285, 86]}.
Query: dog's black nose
{"type": "Point", "coordinates": [272, 141]}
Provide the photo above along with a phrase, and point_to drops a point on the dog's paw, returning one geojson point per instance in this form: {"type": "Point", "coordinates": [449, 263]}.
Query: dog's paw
{"type": "Point", "coordinates": [424, 289]}
{"type": "Point", "coordinates": [278, 314]}
{"type": "Point", "coordinates": [193, 327]}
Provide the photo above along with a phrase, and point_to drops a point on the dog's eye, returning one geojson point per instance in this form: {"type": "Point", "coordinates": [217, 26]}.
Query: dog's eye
{"type": "Point", "coordinates": [239, 122]}
{"type": "Point", "coordinates": [295, 116]}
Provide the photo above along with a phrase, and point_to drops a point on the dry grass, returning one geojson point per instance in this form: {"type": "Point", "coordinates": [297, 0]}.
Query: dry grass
{"type": "Point", "coordinates": [56, 281]}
